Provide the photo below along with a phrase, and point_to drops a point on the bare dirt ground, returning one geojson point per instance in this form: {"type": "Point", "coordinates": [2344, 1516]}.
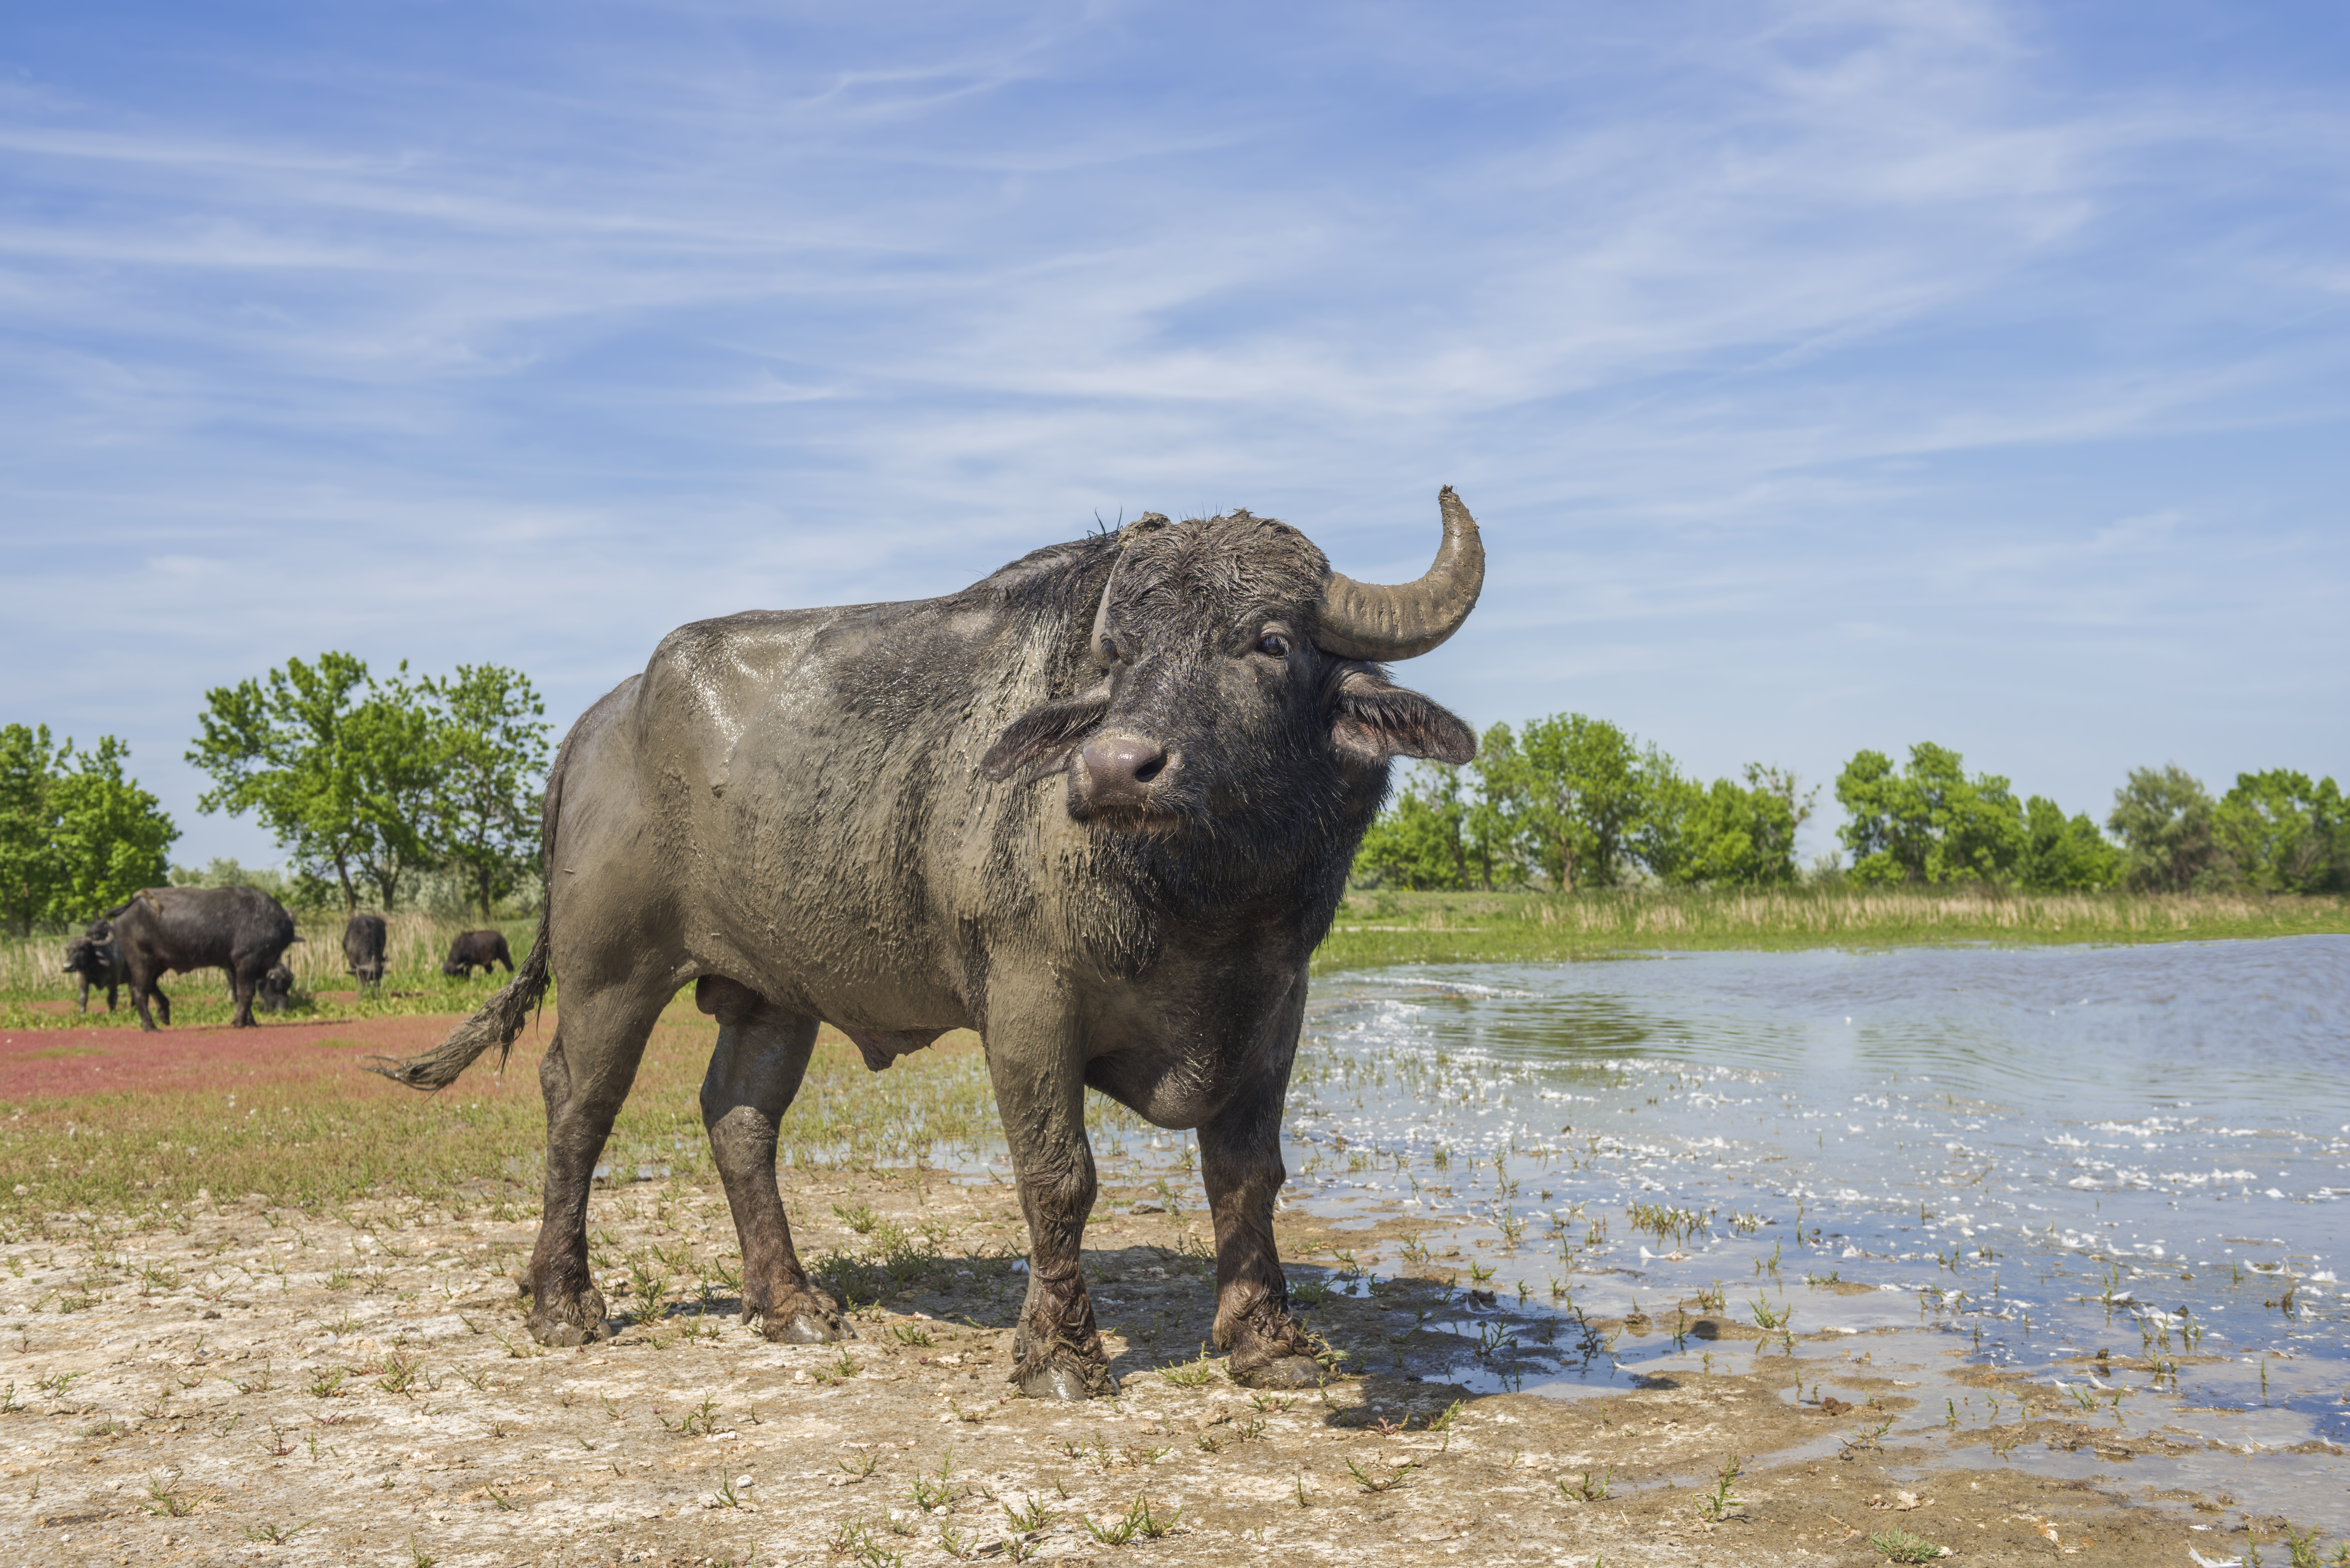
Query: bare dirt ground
{"type": "Point", "coordinates": [261, 1386]}
{"type": "Point", "coordinates": [239, 1380]}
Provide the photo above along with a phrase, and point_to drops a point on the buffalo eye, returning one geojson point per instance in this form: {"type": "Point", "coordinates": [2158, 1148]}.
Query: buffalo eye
{"type": "Point", "coordinates": [1109, 649]}
{"type": "Point", "coordinates": [1273, 645]}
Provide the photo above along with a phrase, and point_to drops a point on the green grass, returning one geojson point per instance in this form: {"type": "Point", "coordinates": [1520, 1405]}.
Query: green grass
{"type": "Point", "coordinates": [315, 1136]}
{"type": "Point", "coordinates": [1384, 927]}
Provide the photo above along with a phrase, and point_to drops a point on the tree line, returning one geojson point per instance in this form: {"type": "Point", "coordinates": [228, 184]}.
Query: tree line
{"type": "Point", "coordinates": [363, 782]}
{"type": "Point", "coordinates": [1570, 802]}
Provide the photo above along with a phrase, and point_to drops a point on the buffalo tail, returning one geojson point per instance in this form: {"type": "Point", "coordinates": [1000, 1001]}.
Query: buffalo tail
{"type": "Point", "coordinates": [499, 1021]}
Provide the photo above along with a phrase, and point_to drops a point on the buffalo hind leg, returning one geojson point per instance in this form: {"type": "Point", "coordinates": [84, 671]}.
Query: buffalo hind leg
{"type": "Point", "coordinates": [147, 996]}
{"type": "Point", "coordinates": [1240, 1158]}
{"type": "Point", "coordinates": [1040, 1087]}
{"type": "Point", "coordinates": [584, 1077]}
{"type": "Point", "coordinates": [755, 1073]}
{"type": "Point", "coordinates": [244, 980]}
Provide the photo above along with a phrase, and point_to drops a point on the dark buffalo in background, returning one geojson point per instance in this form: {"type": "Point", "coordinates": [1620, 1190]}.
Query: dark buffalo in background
{"type": "Point", "coordinates": [365, 938]}
{"type": "Point", "coordinates": [480, 949]}
{"type": "Point", "coordinates": [241, 930]}
{"type": "Point", "coordinates": [277, 987]}
{"type": "Point", "coordinates": [1099, 806]}
{"type": "Point", "coordinates": [95, 958]}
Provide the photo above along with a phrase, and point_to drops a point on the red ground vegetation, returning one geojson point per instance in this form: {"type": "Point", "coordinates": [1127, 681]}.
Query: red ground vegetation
{"type": "Point", "coordinates": [44, 1064]}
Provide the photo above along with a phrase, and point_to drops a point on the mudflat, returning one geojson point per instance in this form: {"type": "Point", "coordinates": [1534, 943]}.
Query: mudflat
{"type": "Point", "coordinates": [234, 1380]}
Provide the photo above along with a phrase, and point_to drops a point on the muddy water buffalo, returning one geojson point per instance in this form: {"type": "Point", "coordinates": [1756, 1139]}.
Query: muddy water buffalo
{"type": "Point", "coordinates": [365, 936]}
{"type": "Point", "coordinates": [97, 961]}
{"type": "Point", "coordinates": [1099, 807]}
{"type": "Point", "coordinates": [241, 930]}
{"type": "Point", "coordinates": [482, 949]}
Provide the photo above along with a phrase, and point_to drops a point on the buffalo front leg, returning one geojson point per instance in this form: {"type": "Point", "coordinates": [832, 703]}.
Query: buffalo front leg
{"type": "Point", "coordinates": [1240, 1158]}
{"type": "Point", "coordinates": [753, 1075]}
{"type": "Point", "coordinates": [1040, 1088]}
{"type": "Point", "coordinates": [584, 1076]}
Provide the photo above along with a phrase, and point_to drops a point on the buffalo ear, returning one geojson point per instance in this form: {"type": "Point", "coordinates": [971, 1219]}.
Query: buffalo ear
{"type": "Point", "coordinates": [1038, 741]}
{"type": "Point", "coordinates": [1375, 722]}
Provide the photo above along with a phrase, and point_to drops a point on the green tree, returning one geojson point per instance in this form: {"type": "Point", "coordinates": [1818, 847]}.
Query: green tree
{"type": "Point", "coordinates": [110, 835]}
{"type": "Point", "coordinates": [1927, 822]}
{"type": "Point", "coordinates": [2283, 834]}
{"type": "Point", "coordinates": [76, 836]}
{"type": "Point", "coordinates": [491, 748]}
{"type": "Point", "coordinates": [28, 854]}
{"type": "Point", "coordinates": [1739, 835]}
{"type": "Point", "coordinates": [1588, 790]}
{"type": "Point", "coordinates": [340, 769]}
{"type": "Point", "coordinates": [2164, 817]}
{"type": "Point", "coordinates": [1421, 841]}
{"type": "Point", "coordinates": [2061, 852]}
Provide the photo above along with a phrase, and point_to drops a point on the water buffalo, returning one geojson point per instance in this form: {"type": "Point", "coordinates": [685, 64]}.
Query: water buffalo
{"type": "Point", "coordinates": [98, 962]}
{"type": "Point", "coordinates": [241, 930]}
{"type": "Point", "coordinates": [1099, 806]}
{"type": "Point", "coordinates": [277, 988]}
{"type": "Point", "coordinates": [477, 947]}
{"type": "Point", "coordinates": [365, 936]}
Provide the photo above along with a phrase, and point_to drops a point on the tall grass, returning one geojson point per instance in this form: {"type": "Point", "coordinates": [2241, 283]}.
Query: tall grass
{"type": "Point", "coordinates": [1384, 926]}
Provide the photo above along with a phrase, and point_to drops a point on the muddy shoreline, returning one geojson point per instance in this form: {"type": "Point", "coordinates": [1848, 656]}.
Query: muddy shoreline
{"type": "Point", "coordinates": [249, 1384]}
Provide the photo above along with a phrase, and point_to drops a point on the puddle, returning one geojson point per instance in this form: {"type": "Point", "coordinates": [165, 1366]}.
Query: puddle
{"type": "Point", "coordinates": [1957, 1162]}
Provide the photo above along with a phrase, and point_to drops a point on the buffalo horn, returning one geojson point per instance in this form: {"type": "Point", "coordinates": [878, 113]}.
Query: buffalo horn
{"type": "Point", "coordinates": [1368, 620]}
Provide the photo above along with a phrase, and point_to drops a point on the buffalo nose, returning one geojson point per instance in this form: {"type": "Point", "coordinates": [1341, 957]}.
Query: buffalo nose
{"type": "Point", "coordinates": [1120, 768]}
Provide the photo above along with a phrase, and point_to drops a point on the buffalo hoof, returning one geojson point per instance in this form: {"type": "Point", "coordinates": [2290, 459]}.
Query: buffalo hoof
{"type": "Point", "coordinates": [1284, 1371]}
{"type": "Point", "coordinates": [568, 1334]}
{"type": "Point", "coordinates": [1064, 1379]}
{"type": "Point", "coordinates": [801, 1320]}
{"type": "Point", "coordinates": [581, 1321]}
{"type": "Point", "coordinates": [802, 1328]}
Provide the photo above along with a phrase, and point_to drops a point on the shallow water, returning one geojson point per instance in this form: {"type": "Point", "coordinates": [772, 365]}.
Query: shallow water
{"type": "Point", "coordinates": [2028, 1154]}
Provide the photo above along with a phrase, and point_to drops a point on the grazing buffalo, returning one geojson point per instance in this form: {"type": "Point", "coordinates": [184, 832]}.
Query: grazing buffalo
{"type": "Point", "coordinates": [364, 936]}
{"type": "Point", "coordinates": [1099, 807]}
{"type": "Point", "coordinates": [277, 988]}
{"type": "Point", "coordinates": [98, 962]}
{"type": "Point", "coordinates": [480, 948]}
{"type": "Point", "coordinates": [241, 930]}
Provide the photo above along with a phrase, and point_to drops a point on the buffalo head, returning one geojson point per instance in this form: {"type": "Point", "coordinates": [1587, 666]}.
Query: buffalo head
{"type": "Point", "coordinates": [1236, 681]}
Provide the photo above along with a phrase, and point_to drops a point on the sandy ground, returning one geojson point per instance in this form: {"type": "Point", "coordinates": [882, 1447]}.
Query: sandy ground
{"type": "Point", "coordinates": [254, 1385]}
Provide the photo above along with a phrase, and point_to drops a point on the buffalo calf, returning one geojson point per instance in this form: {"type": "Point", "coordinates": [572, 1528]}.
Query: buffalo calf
{"type": "Point", "coordinates": [277, 988]}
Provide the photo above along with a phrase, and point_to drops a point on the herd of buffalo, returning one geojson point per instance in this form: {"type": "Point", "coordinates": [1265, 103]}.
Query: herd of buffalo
{"type": "Point", "coordinates": [242, 930]}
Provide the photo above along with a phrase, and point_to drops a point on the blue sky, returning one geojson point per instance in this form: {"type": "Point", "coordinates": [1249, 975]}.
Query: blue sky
{"type": "Point", "coordinates": [1824, 376]}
